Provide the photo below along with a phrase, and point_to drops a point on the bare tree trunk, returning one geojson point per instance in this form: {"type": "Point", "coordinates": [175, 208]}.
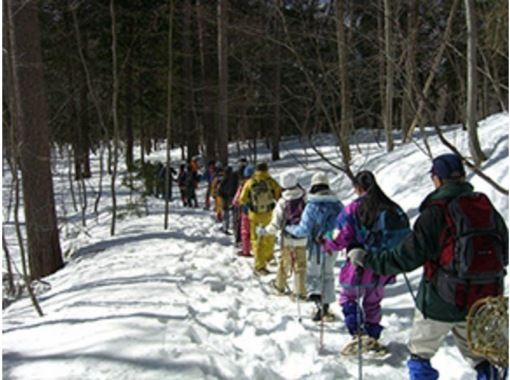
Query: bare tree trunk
{"type": "Point", "coordinates": [472, 85]}
{"type": "Point", "coordinates": [115, 94]}
{"type": "Point", "coordinates": [190, 124]}
{"type": "Point", "coordinates": [30, 110]}
{"type": "Point", "coordinates": [408, 104]}
{"type": "Point", "coordinates": [128, 120]}
{"type": "Point", "coordinates": [275, 126]}
{"type": "Point", "coordinates": [388, 99]}
{"type": "Point", "coordinates": [10, 279]}
{"type": "Point", "coordinates": [169, 109]}
{"type": "Point", "coordinates": [346, 121]}
{"type": "Point", "coordinates": [223, 81]}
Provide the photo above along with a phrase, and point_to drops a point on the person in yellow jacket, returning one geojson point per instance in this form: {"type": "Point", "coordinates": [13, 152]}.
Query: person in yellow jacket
{"type": "Point", "coordinates": [260, 194]}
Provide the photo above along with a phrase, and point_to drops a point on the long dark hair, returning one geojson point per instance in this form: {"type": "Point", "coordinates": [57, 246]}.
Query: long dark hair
{"type": "Point", "coordinates": [374, 199]}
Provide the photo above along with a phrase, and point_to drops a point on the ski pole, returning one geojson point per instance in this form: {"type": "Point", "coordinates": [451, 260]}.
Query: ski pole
{"type": "Point", "coordinates": [321, 307]}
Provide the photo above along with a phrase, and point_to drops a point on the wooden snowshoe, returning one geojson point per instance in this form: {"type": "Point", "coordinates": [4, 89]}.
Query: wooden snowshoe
{"type": "Point", "coordinates": [369, 346]}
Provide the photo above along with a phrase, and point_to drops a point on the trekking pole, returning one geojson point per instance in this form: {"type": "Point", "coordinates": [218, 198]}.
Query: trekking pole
{"type": "Point", "coordinates": [410, 288]}
{"type": "Point", "coordinates": [321, 307]}
{"type": "Point", "coordinates": [296, 290]}
{"type": "Point", "coordinates": [359, 273]}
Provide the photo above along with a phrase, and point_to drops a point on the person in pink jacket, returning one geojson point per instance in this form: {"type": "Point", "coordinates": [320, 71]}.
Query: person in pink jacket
{"type": "Point", "coordinates": [245, 221]}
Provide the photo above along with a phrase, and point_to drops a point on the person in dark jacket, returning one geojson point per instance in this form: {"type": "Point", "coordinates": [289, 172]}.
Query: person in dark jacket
{"type": "Point", "coordinates": [236, 210]}
{"type": "Point", "coordinates": [434, 317]}
{"type": "Point", "coordinates": [227, 191]}
{"type": "Point", "coordinates": [191, 182]}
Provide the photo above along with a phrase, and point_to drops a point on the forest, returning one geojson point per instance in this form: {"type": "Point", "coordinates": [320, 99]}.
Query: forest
{"type": "Point", "coordinates": [121, 79]}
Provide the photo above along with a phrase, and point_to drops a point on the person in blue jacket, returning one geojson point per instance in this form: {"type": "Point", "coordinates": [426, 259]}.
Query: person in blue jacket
{"type": "Point", "coordinates": [319, 217]}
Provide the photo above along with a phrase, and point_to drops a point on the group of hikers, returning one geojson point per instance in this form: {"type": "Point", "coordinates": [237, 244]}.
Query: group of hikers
{"type": "Point", "coordinates": [459, 238]}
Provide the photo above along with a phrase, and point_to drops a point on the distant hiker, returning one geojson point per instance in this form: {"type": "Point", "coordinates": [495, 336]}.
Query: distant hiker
{"type": "Point", "coordinates": [181, 182]}
{"type": "Point", "coordinates": [191, 183]}
{"type": "Point", "coordinates": [287, 212]}
{"type": "Point", "coordinates": [462, 243]}
{"type": "Point", "coordinates": [236, 211]}
{"type": "Point", "coordinates": [245, 221]}
{"type": "Point", "coordinates": [319, 216]}
{"type": "Point", "coordinates": [194, 166]}
{"type": "Point", "coordinates": [161, 177]}
{"type": "Point", "coordinates": [215, 186]}
{"type": "Point", "coordinates": [227, 191]}
{"type": "Point", "coordinates": [261, 193]}
{"type": "Point", "coordinates": [208, 178]}
{"type": "Point", "coordinates": [372, 221]}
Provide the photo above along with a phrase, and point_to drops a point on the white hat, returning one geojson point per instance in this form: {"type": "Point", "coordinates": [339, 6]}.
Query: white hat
{"type": "Point", "coordinates": [320, 178]}
{"type": "Point", "coordinates": [289, 181]}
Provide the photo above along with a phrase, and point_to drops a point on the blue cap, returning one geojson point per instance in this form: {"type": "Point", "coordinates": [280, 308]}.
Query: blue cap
{"type": "Point", "coordinates": [448, 166]}
{"type": "Point", "coordinates": [248, 171]}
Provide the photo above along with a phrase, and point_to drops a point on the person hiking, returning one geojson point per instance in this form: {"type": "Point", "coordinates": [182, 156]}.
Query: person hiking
{"type": "Point", "coordinates": [260, 192]}
{"type": "Point", "coordinates": [236, 210]}
{"type": "Point", "coordinates": [181, 183]}
{"type": "Point", "coordinates": [208, 177]}
{"type": "Point", "coordinates": [287, 212]}
{"type": "Point", "coordinates": [191, 183]}
{"type": "Point", "coordinates": [245, 221]}
{"type": "Point", "coordinates": [318, 217]}
{"type": "Point", "coordinates": [218, 205]}
{"type": "Point", "coordinates": [227, 191]}
{"type": "Point", "coordinates": [161, 176]}
{"type": "Point", "coordinates": [361, 290]}
{"type": "Point", "coordinates": [462, 243]}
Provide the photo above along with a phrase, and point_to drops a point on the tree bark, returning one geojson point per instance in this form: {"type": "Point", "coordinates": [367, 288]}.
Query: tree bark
{"type": "Point", "coordinates": [115, 95]}
{"type": "Point", "coordinates": [44, 252]}
{"type": "Point", "coordinates": [169, 109]}
{"type": "Point", "coordinates": [408, 104]}
{"type": "Point", "coordinates": [346, 121]}
{"type": "Point", "coordinates": [223, 81]}
{"type": "Point", "coordinates": [472, 85]}
{"type": "Point", "coordinates": [388, 52]}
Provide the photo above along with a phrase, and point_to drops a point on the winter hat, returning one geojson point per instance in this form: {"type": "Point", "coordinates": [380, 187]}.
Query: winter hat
{"type": "Point", "coordinates": [218, 165]}
{"type": "Point", "coordinates": [447, 166]}
{"type": "Point", "coordinates": [320, 178]}
{"type": "Point", "coordinates": [248, 171]}
{"type": "Point", "coordinates": [262, 166]}
{"type": "Point", "coordinates": [288, 181]}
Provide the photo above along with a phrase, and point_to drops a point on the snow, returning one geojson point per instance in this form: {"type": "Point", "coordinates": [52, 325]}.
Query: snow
{"type": "Point", "coordinates": [150, 303]}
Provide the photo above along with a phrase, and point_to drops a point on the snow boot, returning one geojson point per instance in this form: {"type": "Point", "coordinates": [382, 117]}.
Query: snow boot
{"type": "Point", "coordinates": [486, 371]}
{"type": "Point", "coordinates": [420, 369]}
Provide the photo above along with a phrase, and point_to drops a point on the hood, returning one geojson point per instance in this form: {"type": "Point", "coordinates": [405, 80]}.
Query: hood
{"type": "Point", "coordinates": [448, 191]}
{"type": "Point", "coordinates": [323, 196]}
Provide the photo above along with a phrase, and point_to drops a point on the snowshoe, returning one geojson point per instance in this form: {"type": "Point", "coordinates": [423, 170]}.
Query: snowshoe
{"type": "Point", "coordinates": [261, 272]}
{"type": "Point", "coordinates": [241, 253]}
{"type": "Point", "coordinates": [328, 316]}
{"type": "Point", "coordinates": [277, 290]}
{"type": "Point", "coordinates": [369, 346]}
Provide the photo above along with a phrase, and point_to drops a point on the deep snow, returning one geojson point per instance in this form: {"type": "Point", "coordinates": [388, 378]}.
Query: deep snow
{"type": "Point", "coordinates": [179, 304]}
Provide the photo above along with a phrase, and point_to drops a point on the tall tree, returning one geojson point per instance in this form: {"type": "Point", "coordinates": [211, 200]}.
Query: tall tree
{"type": "Point", "coordinates": [223, 81]}
{"type": "Point", "coordinates": [115, 119]}
{"type": "Point", "coordinates": [44, 252]}
{"type": "Point", "coordinates": [169, 108]}
{"type": "Point", "coordinates": [389, 74]}
{"type": "Point", "coordinates": [472, 85]}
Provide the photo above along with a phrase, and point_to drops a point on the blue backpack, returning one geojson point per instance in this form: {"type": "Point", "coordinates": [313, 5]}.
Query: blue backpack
{"type": "Point", "coordinates": [388, 230]}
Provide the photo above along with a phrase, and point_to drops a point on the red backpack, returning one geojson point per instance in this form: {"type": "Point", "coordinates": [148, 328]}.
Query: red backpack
{"type": "Point", "coordinates": [471, 263]}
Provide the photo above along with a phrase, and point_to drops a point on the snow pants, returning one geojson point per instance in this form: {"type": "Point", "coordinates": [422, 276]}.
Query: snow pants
{"type": "Point", "coordinates": [218, 208]}
{"type": "Point", "coordinates": [262, 246]}
{"type": "Point", "coordinates": [320, 278]}
{"type": "Point", "coordinates": [428, 334]}
{"type": "Point", "coordinates": [245, 234]}
{"type": "Point", "coordinates": [293, 259]}
{"type": "Point", "coordinates": [370, 298]}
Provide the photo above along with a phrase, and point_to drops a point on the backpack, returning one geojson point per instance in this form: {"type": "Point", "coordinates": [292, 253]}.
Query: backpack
{"type": "Point", "coordinates": [471, 262]}
{"type": "Point", "coordinates": [293, 210]}
{"type": "Point", "coordinates": [390, 227]}
{"type": "Point", "coordinates": [261, 196]}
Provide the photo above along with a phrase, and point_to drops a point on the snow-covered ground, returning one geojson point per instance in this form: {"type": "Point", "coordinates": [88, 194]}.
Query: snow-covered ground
{"type": "Point", "coordinates": [150, 303]}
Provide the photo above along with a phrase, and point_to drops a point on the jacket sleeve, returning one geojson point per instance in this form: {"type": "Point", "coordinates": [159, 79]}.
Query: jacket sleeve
{"type": "Point", "coordinates": [305, 226]}
{"type": "Point", "coordinates": [503, 231]}
{"type": "Point", "coordinates": [277, 218]}
{"type": "Point", "coordinates": [419, 247]}
{"type": "Point", "coordinates": [277, 190]}
{"type": "Point", "coordinates": [344, 233]}
{"type": "Point", "coordinates": [244, 198]}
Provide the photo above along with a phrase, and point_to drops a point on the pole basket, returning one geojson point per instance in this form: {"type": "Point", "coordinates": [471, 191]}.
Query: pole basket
{"type": "Point", "coordinates": [487, 329]}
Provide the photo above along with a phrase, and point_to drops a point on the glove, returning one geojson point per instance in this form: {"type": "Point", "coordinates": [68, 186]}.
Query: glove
{"type": "Point", "coordinates": [357, 256]}
{"type": "Point", "coordinates": [261, 231]}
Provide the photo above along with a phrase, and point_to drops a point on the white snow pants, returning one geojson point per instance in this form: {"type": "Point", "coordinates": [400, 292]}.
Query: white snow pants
{"type": "Point", "coordinates": [428, 334]}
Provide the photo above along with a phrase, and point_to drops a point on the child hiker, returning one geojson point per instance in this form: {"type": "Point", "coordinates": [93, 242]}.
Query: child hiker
{"type": "Point", "coordinates": [288, 211]}
{"type": "Point", "coordinates": [319, 217]}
